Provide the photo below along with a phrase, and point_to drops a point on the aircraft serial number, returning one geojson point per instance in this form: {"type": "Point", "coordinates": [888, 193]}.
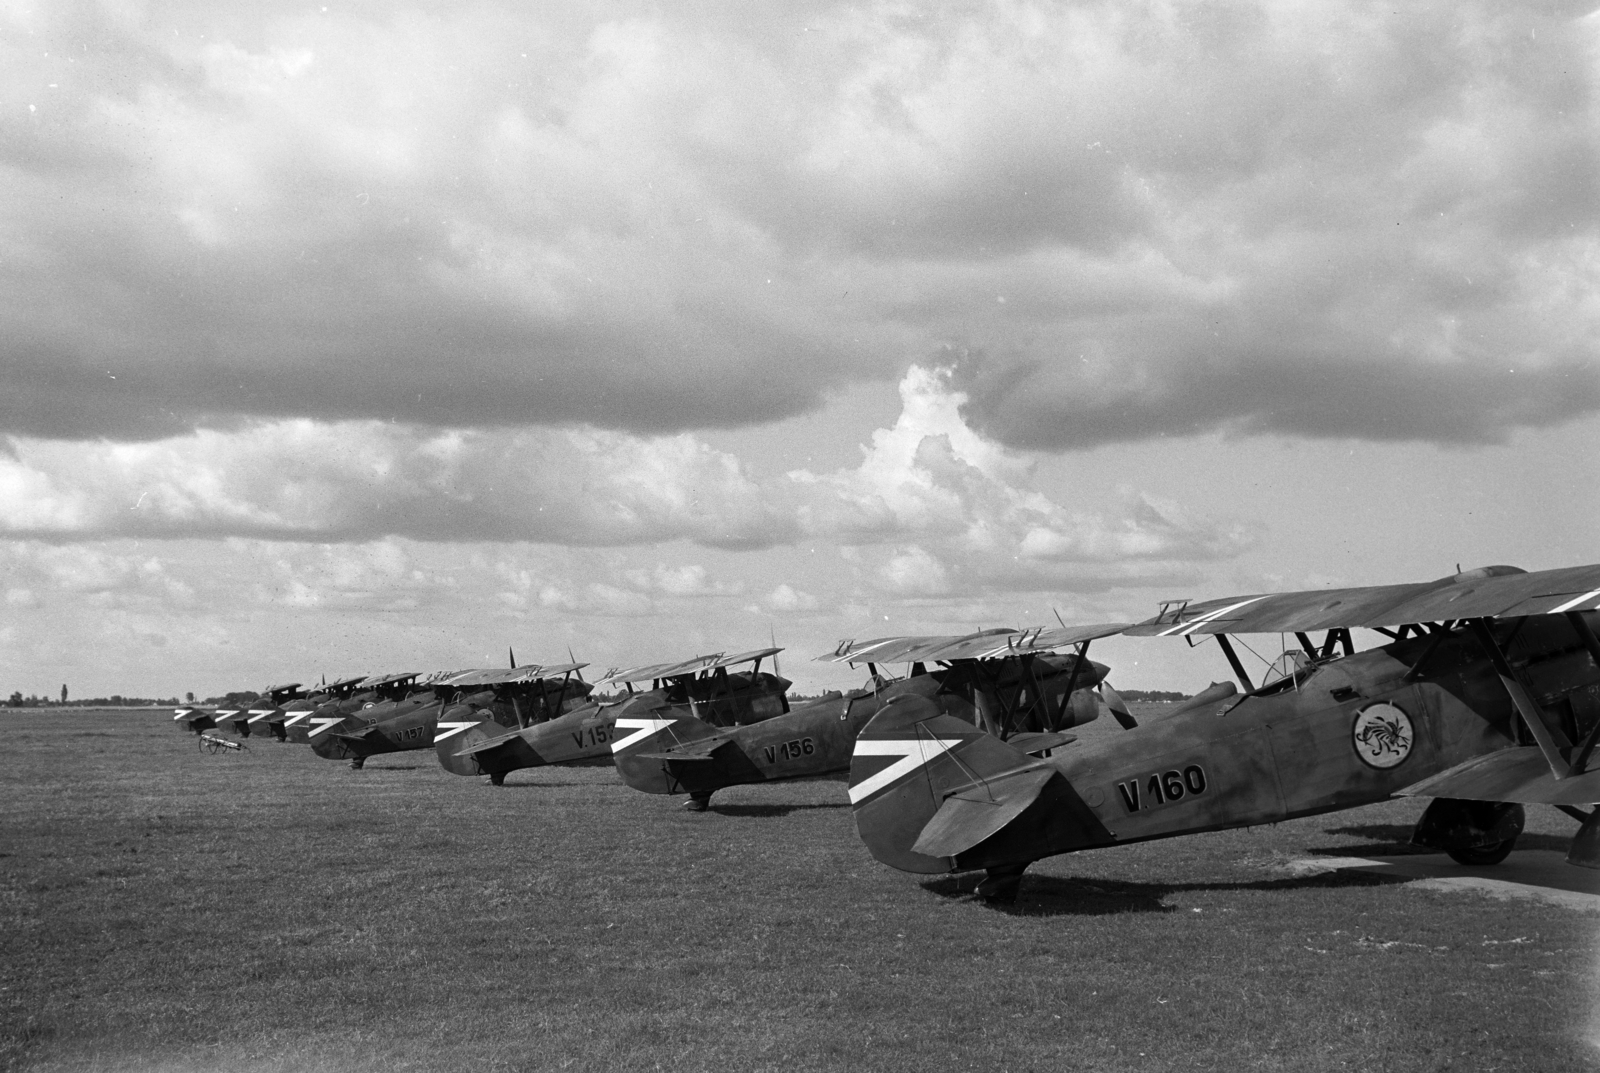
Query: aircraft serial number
{"type": "Point", "coordinates": [1162, 787]}
{"type": "Point", "coordinates": [592, 737]}
{"type": "Point", "coordinates": [409, 734]}
{"type": "Point", "coordinates": [790, 750]}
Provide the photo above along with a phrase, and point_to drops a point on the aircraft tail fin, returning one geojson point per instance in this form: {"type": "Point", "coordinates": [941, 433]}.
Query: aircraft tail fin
{"type": "Point", "coordinates": [640, 735]}
{"type": "Point", "coordinates": [952, 797]}
{"type": "Point", "coordinates": [460, 730]}
{"type": "Point", "coordinates": [905, 761]}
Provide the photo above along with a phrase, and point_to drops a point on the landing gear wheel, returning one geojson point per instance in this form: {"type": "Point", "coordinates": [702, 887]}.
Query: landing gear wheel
{"type": "Point", "coordinates": [1000, 885]}
{"type": "Point", "coordinates": [497, 778]}
{"type": "Point", "coordinates": [698, 802]}
{"type": "Point", "coordinates": [355, 765]}
{"type": "Point", "coordinates": [1483, 855]}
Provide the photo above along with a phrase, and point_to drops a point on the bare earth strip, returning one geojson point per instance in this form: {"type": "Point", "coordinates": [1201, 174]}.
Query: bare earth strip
{"type": "Point", "coordinates": [163, 909]}
{"type": "Point", "coordinates": [1537, 875]}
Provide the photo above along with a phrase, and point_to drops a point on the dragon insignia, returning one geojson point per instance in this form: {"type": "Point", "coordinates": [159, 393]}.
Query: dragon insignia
{"type": "Point", "coordinates": [1382, 736]}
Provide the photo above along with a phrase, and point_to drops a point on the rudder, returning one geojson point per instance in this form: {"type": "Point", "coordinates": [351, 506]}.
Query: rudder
{"type": "Point", "coordinates": [905, 761]}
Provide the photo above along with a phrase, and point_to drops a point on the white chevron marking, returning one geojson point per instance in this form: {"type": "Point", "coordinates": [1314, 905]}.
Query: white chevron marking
{"type": "Point", "coordinates": [913, 753]}
{"type": "Point", "coordinates": [450, 730]}
{"type": "Point", "coordinates": [642, 728]}
{"type": "Point", "coordinates": [1570, 604]}
{"type": "Point", "coordinates": [1184, 629]}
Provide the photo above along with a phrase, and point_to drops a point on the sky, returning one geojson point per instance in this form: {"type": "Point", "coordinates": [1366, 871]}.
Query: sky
{"type": "Point", "coordinates": [341, 338]}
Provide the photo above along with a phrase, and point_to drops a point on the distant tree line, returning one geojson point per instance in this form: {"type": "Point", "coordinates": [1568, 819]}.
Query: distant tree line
{"type": "Point", "coordinates": [116, 700]}
{"type": "Point", "coordinates": [1152, 694]}
{"type": "Point", "coordinates": [230, 699]}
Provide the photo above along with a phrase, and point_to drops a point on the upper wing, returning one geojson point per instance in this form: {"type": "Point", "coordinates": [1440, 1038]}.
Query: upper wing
{"type": "Point", "coordinates": [905, 649]}
{"type": "Point", "coordinates": [377, 680]}
{"type": "Point", "coordinates": [653, 671]}
{"type": "Point", "coordinates": [985, 644]}
{"type": "Point", "coordinates": [1467, 595]}
{"type": "Point", "coordinates": [999, 646]}
{"type": "Point", "coordinates": [500, 676]}
{"type": "Point", "coordinates": [743, 657]}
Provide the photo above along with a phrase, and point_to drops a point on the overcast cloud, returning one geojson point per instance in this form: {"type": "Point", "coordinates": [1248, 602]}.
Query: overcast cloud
{"type": "Point", "coordinates": [1120, 219]}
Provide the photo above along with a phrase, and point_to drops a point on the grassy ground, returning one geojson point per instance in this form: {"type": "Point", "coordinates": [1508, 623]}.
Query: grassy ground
{"type": "Point", "coordinates": [165, 909]}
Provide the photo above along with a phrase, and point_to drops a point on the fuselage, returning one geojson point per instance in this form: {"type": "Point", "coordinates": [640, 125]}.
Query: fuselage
{"type": "Point", "coordinates": [812, 740]}
{"type": "Point", "coordinates": [269, 715]}
{"type": "Point", "coordinates": [1344, 733]}
{"type": "Point", "coordinates": [389, 727]}
{"type": "Point", "coordinates": [301, 727]}
{"type": "Point", "coordinates": [469, 743]}
{"type": "Point", "coordinates": [586, 734]}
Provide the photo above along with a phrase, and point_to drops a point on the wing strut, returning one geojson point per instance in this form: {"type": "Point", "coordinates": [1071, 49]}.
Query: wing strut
{"type": "Point", "coordinates": [1233, 661]}
{"type": "Point", "coordinates": [1072, 682]}
{"type": "Point", "coordinates": [1552, 743]}
{"type": "Point", "coordinates": [1427, 653]}
{"type": "Point", "coordinates": [1580, 625]}
{"type": "Point", "coordinates": [1580, 759]}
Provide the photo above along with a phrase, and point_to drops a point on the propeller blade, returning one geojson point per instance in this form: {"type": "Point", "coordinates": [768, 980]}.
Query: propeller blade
{"type": "Point", "coordinates": [512, 656]}
{"type": "Point", "coordinates": [773, 637]}
{"type": "Point", "coordinates": [1118, 708]}
{"type": "Point", "coordinates": [573, 659]}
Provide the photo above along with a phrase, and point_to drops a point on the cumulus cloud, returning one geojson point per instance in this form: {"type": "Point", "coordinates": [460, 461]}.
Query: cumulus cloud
{"type": "Point", "coordinates": [964, 507]}
{"type": "Point", "coordinates": [1122, 220]}
{"type": "Point", "coordinates": [787, 598]}
{"type": "Point", "coordinates": [377, 575]}
{"type": "Point", "coordinates": [929, 480]}
{"type": "Point", "coordinates": [88, 574]}
{"type": "Point", "coordinates": [690, 579]}
{"type": "Point", "coordinates": [594, 598]}
{"type": "Point", "coordinates": [302, 479]}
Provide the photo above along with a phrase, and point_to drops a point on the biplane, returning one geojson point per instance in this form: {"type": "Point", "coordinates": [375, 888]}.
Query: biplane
{"type": "Point", "coordinates": [195, 719]}
{"type": "Point", "coordinates": [710, 688]}
{"type": "Point", "coordinates": [474, 739]}
{"type": "Point", "coordinates": [199, 720]}
{"type": "Point", "coordinates": [1006, 681]}
{"type": "Point", "coordinates": [403, 719]}
{"type": "Point", "coordinates": [240, 720]}
{"type": "Point", "coordinates": [1485, 698]}
{"type": "Point", "coordinates": [352, 695]}
{"type": "Point", "coordinates": [273, 712]}
{"type": "Point", "coordinates": [704, 688]}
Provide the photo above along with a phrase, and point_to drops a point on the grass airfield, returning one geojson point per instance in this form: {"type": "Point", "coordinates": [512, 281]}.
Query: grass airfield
{"type": "Point", "coordinates": [165, 909]}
